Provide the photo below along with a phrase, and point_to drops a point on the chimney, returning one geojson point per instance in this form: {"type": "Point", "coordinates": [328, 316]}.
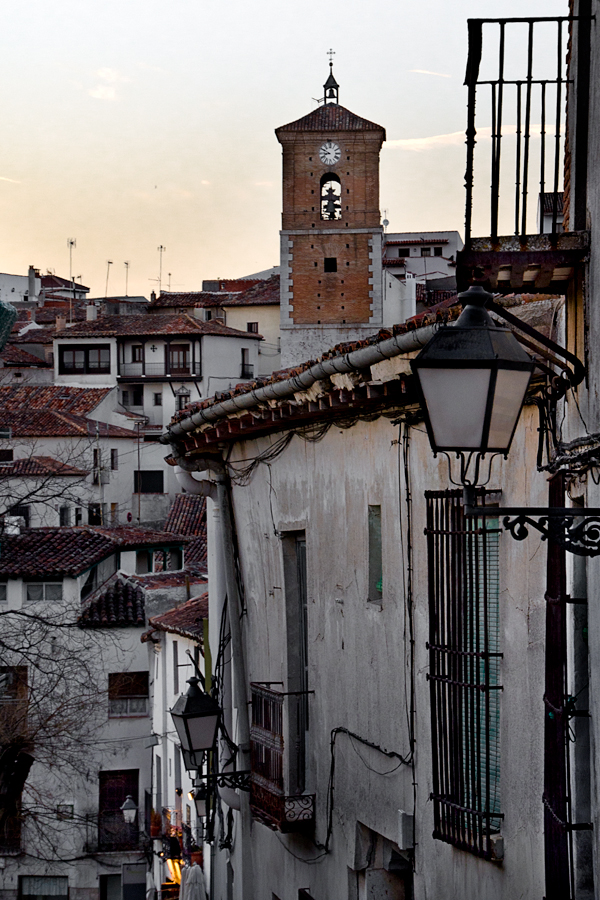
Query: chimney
{"type": "Point", "coordinates": [31, 283]}
{"type": "Point", "coordinates": [91, 312]}
{"type": "Point", "coordinates": [61, 323]}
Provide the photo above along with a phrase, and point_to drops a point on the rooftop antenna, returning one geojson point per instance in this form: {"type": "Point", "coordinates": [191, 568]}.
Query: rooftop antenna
{"type": "Point", "coordinates": [385, 220]}
{"type": "Point", "coordinates": [169, 288]}
{"type": "Point", "coordinates": [161, 250]}
{"type": "Point", "coordinates": [108, 265]}
{"type": "Point", "coordinates": [71, 242]}
{"type": "Point", "coordinates": [126, 264]}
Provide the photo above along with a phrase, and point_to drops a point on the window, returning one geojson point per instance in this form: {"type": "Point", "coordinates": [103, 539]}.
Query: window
{"type": "Point", "coordinates": [404, 251]}
{"type": "Point", "coordinates": [437, 251]}
{"type": "Point", "coordinates": [98, 575]}
{"type": "Point", "coordinates": [464, 673]}
{"type": "Point", "coordinates": [114, 460]}
{"type": "Point", "coordinates": [64, 514]}
{"type": "Point", "coordinates": [375, 588]}
{"type": "Point", "coordinates": [78, 515]}
{"type": "Point", "coordinates": [113, 832]}
{"type": "Point", "coordinates": [157, 399]}
{"type": "Point", "coordinates": [179, 359]}
{"type": "Point", "coordinates": [331, 190]}
{"type": "Point", "coordinates": [3, 592]}
{"type": "Point", "coordinates": [47, 591]}
{"type": "Point", "coordinates": [252, 327]}
{"type": "Point", "coordinates": [208, 315]}
{"type": "Point", "coordinates": [43, 887]}
{"type": "Point", "coordinates": [97, 466]}
{"type": "Point", "coordinates": [143, 562]}
{"type": "Point", "coordinates": [88, 360]}
{"type": "Point", "coordinates": [137, 396]}
{"type": "Point", "coordinates": [137, 353]}
{"type": "Point", "coordinates": [127, 694]}
{"type": "Point", "coordinates": [294, 562]}
{"type": "Point", "coordinates": [183, 399]}
{"type": "Point", "coordinates": [6, 456]}
{"type": "Point", "coordinates": [330, 264]}
{"type": "Point", "coordinates": [125, 398]}
{"type": "Point", "coordinates": [148, 482]}
{"type": "Point", "coordinates": [95, 514]}
{"type": "Point", "coordinates": [247, 369]}
{"type": "Point", "coordinates": [23, 511]}
{"type": "Point", "coordinates": [425, 251]}
{"type": "Point", "coordinates": [175, 672]}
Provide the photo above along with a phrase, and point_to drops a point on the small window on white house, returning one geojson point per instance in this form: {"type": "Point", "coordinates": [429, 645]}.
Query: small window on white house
{"type": "Point", "coordinates": [127, 694]}
{"type": "Point", "coordinates": [437, 251]}
{"type": "Point", "coordinates": [114, 459]}
{"type": "Point", "coordinates": [137, 352]}
{"type": "Point", "coordinates": [252, 327]}
{"type": "Point", "coordinates": [157, 399]}
{"type": "Point", "coordinates": [375, 556]}
{"type": "Point", "coordinates": [47, 591]}
{"type": "Point", "coordinates": [425, 251]}
{"type": "Point", "coordinates": [3, 595]}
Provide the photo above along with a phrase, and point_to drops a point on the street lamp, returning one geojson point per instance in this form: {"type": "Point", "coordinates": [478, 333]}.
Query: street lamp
{"type": "Point", "coordinates": [473, 378]}
{"type": "Point", "coordinates": [196, 717]}
{"type": "Point", "coordinates": [199, 796]}
{"type": "Point", "coordinates": [129, 810]}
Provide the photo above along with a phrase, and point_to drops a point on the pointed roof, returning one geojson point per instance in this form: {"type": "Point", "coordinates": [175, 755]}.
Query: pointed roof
{"type": "Point", "coordinates": [331, 82]}
{"type": "Point", "coordinates": [330, 117]}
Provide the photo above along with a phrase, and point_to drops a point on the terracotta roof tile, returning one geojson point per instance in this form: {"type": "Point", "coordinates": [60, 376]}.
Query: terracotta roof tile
{"type": "Point", "coordinates": [120, 605]}
{"type": "Point", "coordinates": [51, 423]}
{"type": "Point", "coordinates": [158, 580]}
{"type": "Point", "coordinates": [331, 117]}
{"type": "Point", "coordinates": [39, 466]}
{"type": "Point", "coordinates": [133, 536]}
{"type": "Point", "coordinates": [146, 325]}
{"type": "Point", "coordinates": [187, 515]}
{"type": "Point", "coordinates": [186, 620]}
{"type": "Point", "coordinates": [16, 356]}
{"type": "Point", "coordinates": [53, 552]}
{"type": "Point", "coordinates": [60, 398]}
{"type": "Point", "coordinates": [263, 293]}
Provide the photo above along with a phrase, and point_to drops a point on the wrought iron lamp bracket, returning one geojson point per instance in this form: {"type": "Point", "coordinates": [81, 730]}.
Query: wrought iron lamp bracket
{"type": "Point", "coordinates": [237, 781]}
{"type": "Point", "coordinates": [577, 530]}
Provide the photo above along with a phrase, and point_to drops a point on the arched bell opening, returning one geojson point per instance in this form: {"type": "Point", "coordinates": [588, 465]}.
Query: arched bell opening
{"type": "Point", "coordinates": [331, 197]}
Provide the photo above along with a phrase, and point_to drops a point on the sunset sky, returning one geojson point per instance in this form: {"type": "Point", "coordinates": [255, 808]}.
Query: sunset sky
{"type": "Point", "coordinates": [127, 124]}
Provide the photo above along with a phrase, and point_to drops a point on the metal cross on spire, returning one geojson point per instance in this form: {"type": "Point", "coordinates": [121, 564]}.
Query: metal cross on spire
{"type": "Point", "coordinates": [331, 87]}
{"type": "Point", "coordinates": [331, 54]}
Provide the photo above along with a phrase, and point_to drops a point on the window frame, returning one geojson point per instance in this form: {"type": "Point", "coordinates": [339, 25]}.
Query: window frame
{"type": "Point", "coordinates": [464, 673]}
{"type": "Point", "coordinates": [44, 583]}
{"type": "Point", "coordinates": [87, 368]}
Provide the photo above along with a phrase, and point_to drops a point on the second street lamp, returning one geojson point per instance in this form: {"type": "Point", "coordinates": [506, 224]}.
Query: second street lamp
{"type": "Point", "coordinates": [196, 717]}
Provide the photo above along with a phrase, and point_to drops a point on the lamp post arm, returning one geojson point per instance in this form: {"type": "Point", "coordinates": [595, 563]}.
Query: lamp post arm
{"type": "Point", "coordinates": [579, 370]}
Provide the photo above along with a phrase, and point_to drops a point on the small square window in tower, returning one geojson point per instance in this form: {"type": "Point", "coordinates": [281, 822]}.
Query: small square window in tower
{"type": "Point", "coordinates": [330, 264]}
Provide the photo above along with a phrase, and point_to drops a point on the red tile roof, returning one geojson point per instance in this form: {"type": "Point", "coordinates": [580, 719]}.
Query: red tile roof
{"type": "Point", "coordinates": [146, 326]}
{"type": "Point", "coordinates": [50, 423]}
{"type": "Point", "coordinates": [186, 620]}
{"type": "Point", "coordinates": [195, 553]}
{"type": "Point", "coordinates": [262, 293]}
{"type": "Point", "coordinates": [331, 117]}
{"type": "Point", "coordinates": [187, 515]}
{"type": "Point", "coordinates": [59, 398]}
{"type": "Point", "coordinates": [120, 605]}
{"type": "Point", "coordinates": [130, 536]}
{"type": "Point", "coordinates": [13, 355]}
{"type": "Point", "coordinates": [53, 552]}
{"type": "Point", "coordinates": [158, 580]}
{"type": "Point", "coordinates": [55, 282]}
{"type": "Point", "coordinates": [40, 335]}
{"type": "Point", "coordinates": [39, 466]}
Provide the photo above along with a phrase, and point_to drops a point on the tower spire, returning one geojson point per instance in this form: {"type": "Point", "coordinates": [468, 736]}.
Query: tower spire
{"type": "Point", "coordinates": [331, 89]}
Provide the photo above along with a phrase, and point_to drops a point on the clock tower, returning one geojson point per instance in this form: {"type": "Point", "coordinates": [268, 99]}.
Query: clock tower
{"type": "Point", "coordinates": [331, 237]}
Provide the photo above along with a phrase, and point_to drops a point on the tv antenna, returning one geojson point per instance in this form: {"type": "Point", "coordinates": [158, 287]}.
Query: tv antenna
{"type": "Point", "coordinates": [161, 250]}
{"type": "Point", "coordinates": [109, 263]}
{"type": "Point", "coordinates": [71, 243]}
{"type": "Point", "coordinates": [126, 264]}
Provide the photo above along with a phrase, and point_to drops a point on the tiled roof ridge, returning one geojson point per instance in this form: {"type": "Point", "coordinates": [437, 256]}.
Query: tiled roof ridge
{"type": "Point", "coordinates": [185, 620]}
{"type": "Point", "coordinates": [117, 604]}
{"type": "Point", "coordinates": [330, 117]}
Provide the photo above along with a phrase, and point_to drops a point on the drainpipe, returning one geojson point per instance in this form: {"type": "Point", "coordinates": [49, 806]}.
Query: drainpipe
{"type": "Point", "coordinates": [211, 483]}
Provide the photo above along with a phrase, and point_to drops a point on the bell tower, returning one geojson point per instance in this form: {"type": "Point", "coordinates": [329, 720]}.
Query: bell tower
{"type": "Point", "coordinates": [331, 237]}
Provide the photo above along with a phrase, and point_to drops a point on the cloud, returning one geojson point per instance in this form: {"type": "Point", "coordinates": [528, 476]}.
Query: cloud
{"type": "Point", "coordinates": [205, 182]}
{"type": "Point", "coordinates": [263, 184]}
{"type": "Point", "coordinates": [12, 180]}
{"type": "Point", "coordinates": [418, 145]}
{"type": "Point", "coordinates": [427, 72]}
{"type": "Point", "coordinates": [107, 89]}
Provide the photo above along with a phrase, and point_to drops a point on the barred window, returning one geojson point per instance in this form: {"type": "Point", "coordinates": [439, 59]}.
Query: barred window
{"type": "Point", "coordinates": [464, 673]}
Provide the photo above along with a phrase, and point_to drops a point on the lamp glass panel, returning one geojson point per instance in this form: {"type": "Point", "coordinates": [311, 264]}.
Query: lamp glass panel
{"type": "Point", "coordinates": [200, 803]}
{"type": "Point", "coordinates": [202, 731]}
{"type": "Point", "coordinates": [129, 815]}
{"type": "Point", "coordinates": [456, 401]}
{"type": "Point", "coordinates": [508, 399]}
{"type": "Point", "coordinates": [179, 723]}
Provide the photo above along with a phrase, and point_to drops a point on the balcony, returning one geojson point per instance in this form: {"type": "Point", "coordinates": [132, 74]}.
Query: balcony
{"type": "Point", "coordinates": [268, 801]}
{"type": "Point", "coordinates": [136, 370]}
{"type": "Point", "coordinates": [517, 172]}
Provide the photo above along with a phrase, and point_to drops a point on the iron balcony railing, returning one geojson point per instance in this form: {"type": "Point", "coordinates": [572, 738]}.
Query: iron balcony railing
{"type": "Point", "coordinates": [523, 113]}
{"type": "Point", "coordinates": [158, 370]}
{"type": "Point", "coordinates": [268, 800]}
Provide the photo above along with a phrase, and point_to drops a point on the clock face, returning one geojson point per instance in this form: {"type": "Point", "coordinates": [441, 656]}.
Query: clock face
{"type": "Point", "coordinates": [330, 153]}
